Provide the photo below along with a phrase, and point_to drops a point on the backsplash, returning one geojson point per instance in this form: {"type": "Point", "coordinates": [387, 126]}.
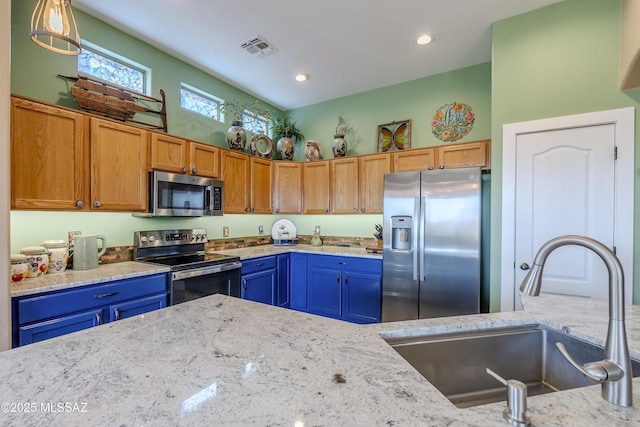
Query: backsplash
{"type": "Point", "coordinates": [125, 253]}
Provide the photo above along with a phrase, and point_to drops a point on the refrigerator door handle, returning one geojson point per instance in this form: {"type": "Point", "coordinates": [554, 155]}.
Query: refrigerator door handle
{"type": "Point", "coordinates": [416, 237]}
{"type": "Point", "coordinates": [422, 238]}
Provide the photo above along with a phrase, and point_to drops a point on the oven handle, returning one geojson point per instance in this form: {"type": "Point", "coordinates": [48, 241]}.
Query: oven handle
{"type": "Point", "coordinates": [186, 274]}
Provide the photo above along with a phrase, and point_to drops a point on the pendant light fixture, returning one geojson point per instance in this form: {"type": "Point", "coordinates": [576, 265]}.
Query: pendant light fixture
{"type": "Point", "coordinates": [53, 27]}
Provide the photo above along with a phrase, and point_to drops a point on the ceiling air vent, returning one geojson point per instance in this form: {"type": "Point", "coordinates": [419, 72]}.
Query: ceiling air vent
{"type": "Point", "coordinates": [258, 46]}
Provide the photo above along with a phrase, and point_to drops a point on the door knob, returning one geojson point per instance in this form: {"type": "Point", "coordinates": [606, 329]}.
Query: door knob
{"type": "Point", "coordinates": [524, 266]}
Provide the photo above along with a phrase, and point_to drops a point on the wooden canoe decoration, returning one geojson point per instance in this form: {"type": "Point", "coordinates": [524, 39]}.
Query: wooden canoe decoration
{"type": "Point", "coordinates": [115, 102]}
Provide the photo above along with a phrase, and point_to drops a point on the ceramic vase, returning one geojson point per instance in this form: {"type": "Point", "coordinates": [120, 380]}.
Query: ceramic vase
{"type": "Point", "coordinates": [339, 146]}
{"type": "Point", "coordinates": [312, 151]}
{"type": "Point", "coordinates": [236, 137]}
{"type": "Point", "coordinates": [285, 147]}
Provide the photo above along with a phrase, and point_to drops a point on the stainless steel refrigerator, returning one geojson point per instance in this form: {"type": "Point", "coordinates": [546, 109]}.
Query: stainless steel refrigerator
{"type": "Point", "coordinates": [431, 249]}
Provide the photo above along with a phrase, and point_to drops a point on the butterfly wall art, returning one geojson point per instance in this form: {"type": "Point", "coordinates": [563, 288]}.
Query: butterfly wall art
{"type": "Point", "coordinates": [394, 136]}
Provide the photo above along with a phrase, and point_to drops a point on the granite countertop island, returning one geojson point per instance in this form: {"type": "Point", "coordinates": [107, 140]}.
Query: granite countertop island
{"type": "Point", "coordinates": [228, 362]}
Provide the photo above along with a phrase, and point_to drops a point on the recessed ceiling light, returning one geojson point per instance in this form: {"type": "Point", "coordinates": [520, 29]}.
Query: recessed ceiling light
{"type": "Point", "coordinates": [302, 77]}
{"type": "Point", "coordinates": [424, 39]}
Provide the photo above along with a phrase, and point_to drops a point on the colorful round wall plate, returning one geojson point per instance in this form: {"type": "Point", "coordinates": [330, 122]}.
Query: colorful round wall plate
{"type": "Point", "coordinates": [452, 121]}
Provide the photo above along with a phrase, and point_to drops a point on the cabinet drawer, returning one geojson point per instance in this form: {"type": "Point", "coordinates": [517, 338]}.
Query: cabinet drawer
{"type": "Point", "coordinates": [346, 263]}
{"type": "Point", "coordinates": [258, 264]}
{"type": "Point", "coordinates": [44, 306]}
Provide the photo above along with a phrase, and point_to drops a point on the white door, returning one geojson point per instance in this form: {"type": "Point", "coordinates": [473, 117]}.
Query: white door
{"type": "Point", "coordinates": [559, 177]}
{"type": "Point", "coordinates": [565, 185]}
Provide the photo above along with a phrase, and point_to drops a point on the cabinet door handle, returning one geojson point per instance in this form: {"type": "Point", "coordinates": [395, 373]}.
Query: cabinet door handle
{"type": "Point", "coordinates": [430, 167]}
{"type": "Point", "coordinates": [247, 209]}
{"type": "Point", "coordinates": [98, 319]}
{"type": "Point", "coordinates": [346, 278]}
{"type": "Point", "coordinates": [184, 169]}
{"type": "Point", "coordinates": [79, 204]}
{"type": "Point", "coordinates": [326, 209]}
{"type": "Point", "coordinates": [110, 294]}
{"type": "Point", "coordinates": [338, 278]}
{"type": "Point", "coordinates": [117, 312]}
{"type": "Point", "coordinates": [355, 210]}
{"type": "Point", "coordinates": [441, 166]}
{"type": "Point", "coordinates": [259, 264]}
{"type": "Point", "coordinates": [362, 209]}
{"type": "Point", "coordinates": [97, 203]}
{"type": "Point", "coordinates": [278, 210]}
{"type": "Point", "coordinates": [194, 171]}
{"type": "Point", "coordinates": [244, 284]}
{"type": "Point", "coordinates": [342, 263]}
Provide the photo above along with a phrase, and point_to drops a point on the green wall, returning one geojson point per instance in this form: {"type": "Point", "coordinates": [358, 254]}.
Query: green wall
{"type": "Point", "coordinates": [416, 100]}
{"type": "Point", "coordinates": [555, 61]}
{"type": "Point", "coordinates": [34, 71]}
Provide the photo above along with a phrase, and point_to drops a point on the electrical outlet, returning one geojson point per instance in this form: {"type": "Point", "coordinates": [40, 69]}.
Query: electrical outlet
{"type": "Point", "coordinates": [260, 230]}
{"type": "Point", "coordinates": [225, 231]}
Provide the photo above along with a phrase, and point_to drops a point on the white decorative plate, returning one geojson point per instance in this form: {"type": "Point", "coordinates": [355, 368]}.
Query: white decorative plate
{"type": "Point", "coordinates": [283, 229]}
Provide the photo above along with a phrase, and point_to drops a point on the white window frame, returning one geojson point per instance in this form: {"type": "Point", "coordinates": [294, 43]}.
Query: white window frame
{"type": "Point", "coordinates": [146, 71]}
{"type": "Point", "coordinates": [205, 95]}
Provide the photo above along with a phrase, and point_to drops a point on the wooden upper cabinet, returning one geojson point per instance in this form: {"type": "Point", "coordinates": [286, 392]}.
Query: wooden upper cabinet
{"type": "Point", "coordinates": [344, 185]}
{"type": "Point", "coordinates": [371, 173]}
{"type": "Point", "coordinates": [465, 155]}
{"type": "Point", "coordinates": [178, 155]}
{"type": "Point", "coordinates": [413, 160]}
{"type": "Point", "coordinates": [204, 160]}
{"type": "Point", "coordinates": [169, 154]}
{"type": "Point", "coordinates": [49, 156]}
{"type": "Point", "coordinates": [261, 184]}
{"type": "Point", "coordinates": [316, 187]}
{"type": "Point", "coordinates": [236, 174]}
{"type": "Point", "coordinates": [119, 164]}
{"type": "Point", "coordinates": [287, 187]}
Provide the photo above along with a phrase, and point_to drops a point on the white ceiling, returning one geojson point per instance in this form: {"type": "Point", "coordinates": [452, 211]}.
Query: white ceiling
{"type": "Point", "coordinates": [345, 46]}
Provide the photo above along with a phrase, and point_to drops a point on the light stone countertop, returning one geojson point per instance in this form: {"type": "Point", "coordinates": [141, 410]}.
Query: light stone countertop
{"type": "Point", "coordinates": [74, 278]}
{"type": "Point", "coordinates": [228, 362]}
{"type": "Point", "coordinates": [267, 250]}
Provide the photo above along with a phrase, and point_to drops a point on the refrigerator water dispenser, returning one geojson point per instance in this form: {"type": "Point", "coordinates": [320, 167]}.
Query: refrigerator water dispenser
{"type": "Point", "coordinates": [401, 229]}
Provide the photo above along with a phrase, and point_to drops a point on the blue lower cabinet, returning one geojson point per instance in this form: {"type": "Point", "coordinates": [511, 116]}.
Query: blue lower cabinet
{"type": "Point", "coordinates": [362, 297]}
{"type": "Point", "coordinates": [283, 293]}
{"type": "Point", "coordinates": [60, 326]}
{"type": "Point", "coordinates": [136, 307]}
{"type": "Point", "coordinates": [260, 287]}
{"type": "Point", "coordinates": [324, 291]}
{"type": "Point", "coordinates": [50, 314]}
{"type": "Point", "coordinates": [298, 281]}
{"type": "Point", "coordinates": [347, 288]}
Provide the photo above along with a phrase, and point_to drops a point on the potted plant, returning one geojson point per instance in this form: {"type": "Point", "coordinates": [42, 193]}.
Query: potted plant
{"type": "Point", "coordinates": [284, 129]}
{"type": "Point", "coordinates": [339, 143]}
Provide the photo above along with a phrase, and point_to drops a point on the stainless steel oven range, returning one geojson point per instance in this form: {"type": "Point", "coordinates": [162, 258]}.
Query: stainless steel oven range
{"type": "Point", "coordinates": [194, 273]}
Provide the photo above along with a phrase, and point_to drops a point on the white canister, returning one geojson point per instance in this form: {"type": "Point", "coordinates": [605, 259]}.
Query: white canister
{"type": "Point", "coordinates": [58, 255]}
{"type": "Point", "coordinates": [38, 257]}
{"type": "Point", "coordinates": [19, 267]}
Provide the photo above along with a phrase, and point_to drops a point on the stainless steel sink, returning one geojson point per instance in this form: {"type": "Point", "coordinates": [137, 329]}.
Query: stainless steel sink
{"type": "Point", "coordinates": [456, 363]}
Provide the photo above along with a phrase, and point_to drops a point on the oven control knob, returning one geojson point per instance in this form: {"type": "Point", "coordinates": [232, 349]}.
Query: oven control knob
{"type": "Point", "coordinates": [194, 238]}
{"type": "Point", "coordinates": [152, 239]}
{"type": "Point", "coordinates": [143, 239]}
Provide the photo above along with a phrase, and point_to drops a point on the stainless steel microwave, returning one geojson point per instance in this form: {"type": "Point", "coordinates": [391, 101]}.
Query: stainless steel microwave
{"type": "Point", "coordinates": [172, 194]}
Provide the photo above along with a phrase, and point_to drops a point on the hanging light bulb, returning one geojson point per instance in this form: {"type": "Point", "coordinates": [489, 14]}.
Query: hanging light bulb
{"type": "Point", "coordinates": [57, 20]}
{"type": "Point", "coordinates": [53, 27]}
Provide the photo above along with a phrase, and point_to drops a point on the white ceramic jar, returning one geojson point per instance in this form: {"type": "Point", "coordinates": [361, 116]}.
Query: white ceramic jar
{"type": "Point", "coordinates": [58, 255]}
{"type": "Point", "coordinates": [38, 257]}
{"type": "Point", "coordinates": [19, 267]}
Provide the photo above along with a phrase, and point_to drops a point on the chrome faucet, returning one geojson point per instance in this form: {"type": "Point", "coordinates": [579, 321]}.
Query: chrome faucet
{"type": "Point", "coordinates": [614, 372]}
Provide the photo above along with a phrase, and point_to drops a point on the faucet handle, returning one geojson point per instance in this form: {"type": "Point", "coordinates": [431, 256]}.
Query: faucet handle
{"type": "Point", "coordinates": [602, 371]}
{"type": "Point", "coordinates": [515, 414]}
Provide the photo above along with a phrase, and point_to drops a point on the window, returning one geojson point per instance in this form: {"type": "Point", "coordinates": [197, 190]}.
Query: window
{"type": "Point", "coordinates": [110, 67]}
{"type": "Point", "coordinates": [254, 123]}
{"type": "Point", "coordinates": [200, 102]}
